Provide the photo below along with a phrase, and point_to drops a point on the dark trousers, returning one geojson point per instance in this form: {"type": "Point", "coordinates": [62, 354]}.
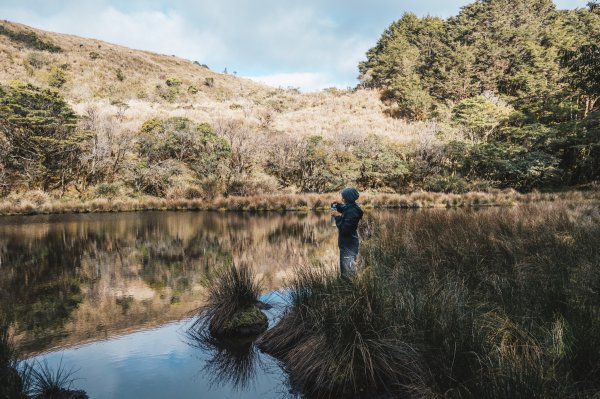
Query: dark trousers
{"type": "Point", "coordinates": [348, 255]}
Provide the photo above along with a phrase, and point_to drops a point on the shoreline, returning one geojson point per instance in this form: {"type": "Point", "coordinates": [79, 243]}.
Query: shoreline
{"type": "Point", "coordinates": [287, 202]}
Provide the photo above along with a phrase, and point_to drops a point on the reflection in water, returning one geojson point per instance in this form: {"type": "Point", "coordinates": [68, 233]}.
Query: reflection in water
{"type": "Point", "coordinates": [231, 362]}
{"type": "Point", "coordinates": [66, 280]}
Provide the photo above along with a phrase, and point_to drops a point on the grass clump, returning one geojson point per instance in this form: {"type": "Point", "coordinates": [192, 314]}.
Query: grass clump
{"type": "Point", "coordinates": [231, 308]}
{"type": "Point", "coordinates": [336, 340]}
{"type": "Point", "coordinates": [47, 383]}
{"type": "Point", "coordinates": [494, 303]}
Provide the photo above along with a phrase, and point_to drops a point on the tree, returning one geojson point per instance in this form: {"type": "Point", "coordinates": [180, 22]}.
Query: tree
{"type": "Point", "coordinates": [481, 115]}
{"type": "Point", "coordinates": [583, 65]}
{"type": "Point", "coordinates": [42, 134]}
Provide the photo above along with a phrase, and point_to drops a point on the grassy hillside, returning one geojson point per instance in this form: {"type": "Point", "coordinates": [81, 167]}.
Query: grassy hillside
{"type": "Point", "coordinates": [150, 84]}
{"type": "Point", "coordinates": [491, 99]}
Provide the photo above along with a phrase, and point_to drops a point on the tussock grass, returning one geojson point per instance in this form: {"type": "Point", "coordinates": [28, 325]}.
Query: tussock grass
{"type": "Point", "coordinates": [230, 291]}
{"type": "Point", "coordinates": [336, 340]}
{"type": "Point", "coordinates": [46, 383]}
{"type": "Point", "coordinates": [492, 303]}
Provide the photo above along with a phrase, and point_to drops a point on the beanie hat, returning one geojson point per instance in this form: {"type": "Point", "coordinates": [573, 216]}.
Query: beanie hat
{"type": "Point", "coordinates": [350, 194]}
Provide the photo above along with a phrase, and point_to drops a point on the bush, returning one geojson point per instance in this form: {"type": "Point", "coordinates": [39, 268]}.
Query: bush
{"type": "Point", "coordinates": [255, 184]}
{"type": "Point", "coordinates": [173, 82]}
{"type": "Point", "coordinates": [57, 77]}
{"type": "Point", "coordinates": [447, 184]}
{"type": "Point", "coordinates": [106, 190]}
{"type": "Point", "coordinates": [37, 60]}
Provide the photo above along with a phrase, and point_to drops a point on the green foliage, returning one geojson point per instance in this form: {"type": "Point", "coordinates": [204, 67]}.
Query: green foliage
{"type": "Point", "coordinates": [56, 77]}
{"type": "Point", "coordinates": [583, 65]}
{"type": "Point", "coordinates": [195, 145]}
{"type": "Point", "coordinates": [173, 82]}
{"type": "Point", "coordinates": [120, 75]}
{"type": "Point", "coordinates": [30, 40]}
{"type": "Point", "coordinates": [380, 165]}
{"type": "Point", "coordinates": [323, 168]}
{"type": "Point", "coordinates": [543, 64]}
{"type": "Point", "coordinates": [500, 46]}
{"type": "Point", "coordinates": [106, 190]}
{"type": "Point", "coordinates": [94, 55]}
{"type": "Point", "coordinates": [41, 130]}
{"type": "Point", "coordinates": [513, 166]}
{"type": "Point", "coordinates": [480, 115]}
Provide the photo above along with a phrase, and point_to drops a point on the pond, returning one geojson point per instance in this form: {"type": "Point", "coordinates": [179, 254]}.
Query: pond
{"type": "Point", "coordinates": [112, 296]}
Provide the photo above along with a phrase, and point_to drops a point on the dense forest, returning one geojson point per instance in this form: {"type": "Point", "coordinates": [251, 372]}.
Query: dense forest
{"type": "Point", "coordinates": [520, 81]}
{"type": "Point", "coordinates": [503, 95]}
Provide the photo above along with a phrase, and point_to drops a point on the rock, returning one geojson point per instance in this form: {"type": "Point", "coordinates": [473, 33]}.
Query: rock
{"type": "Point", "coordinates": [247, 322]}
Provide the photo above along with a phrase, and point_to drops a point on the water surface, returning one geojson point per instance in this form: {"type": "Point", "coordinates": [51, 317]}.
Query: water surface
{"type": "Point", "coordinates": [113, 295]}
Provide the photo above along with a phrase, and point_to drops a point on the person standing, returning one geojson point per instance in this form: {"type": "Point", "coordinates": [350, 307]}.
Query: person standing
{"type": "Point", "coordinates": [347, 214]}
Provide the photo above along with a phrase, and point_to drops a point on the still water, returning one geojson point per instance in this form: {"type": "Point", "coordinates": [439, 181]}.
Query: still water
{"type": "Point", "coordinates": [113, 296]}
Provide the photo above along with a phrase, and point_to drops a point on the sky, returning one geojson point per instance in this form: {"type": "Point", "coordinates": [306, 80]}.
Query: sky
{"type": "Point", "coordinates": [306, 44]}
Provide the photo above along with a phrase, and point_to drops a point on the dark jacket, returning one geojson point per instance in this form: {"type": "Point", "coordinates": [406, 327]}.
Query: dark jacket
{"type": "Point", "coordinates": [347, 224]}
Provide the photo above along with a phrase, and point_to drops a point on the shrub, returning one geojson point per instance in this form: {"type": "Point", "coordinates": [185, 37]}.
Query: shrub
{"type": "Point", "coordinates": [173, 82]}
{"type": "Point", "coordinates": [94, 55]}
{"type": "Point", "coordinates": [255, 184]}
{"type": "Point", "coordinates": [56, 77]}
{"type": "Point", "coordinates": [106, 190]}
{"type": "Point", "coordinates": [37, 60]}
{"type": "Point", "coordinates": [120, 76]}
{"type": "Point", "coordinates": [447, 184]}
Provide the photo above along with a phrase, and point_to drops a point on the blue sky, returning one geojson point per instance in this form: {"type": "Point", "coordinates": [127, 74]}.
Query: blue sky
{"type": "Point", "coordinates": [309, 44]}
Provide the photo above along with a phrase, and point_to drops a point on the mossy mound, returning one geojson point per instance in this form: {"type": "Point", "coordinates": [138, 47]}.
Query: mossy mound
{"type": "Point", "coordinates": [246, 322]}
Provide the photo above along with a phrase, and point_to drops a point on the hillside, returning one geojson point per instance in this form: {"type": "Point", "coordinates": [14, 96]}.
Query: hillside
{"type": "Point", "coordinates": [154, 84]}
{"type": "Point", "coordinates": [503, 95]}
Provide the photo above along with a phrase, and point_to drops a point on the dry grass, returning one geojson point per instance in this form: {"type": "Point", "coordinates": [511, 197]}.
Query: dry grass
{"type": "Point", "coordinates": [94, 82]}
{"type": "Point", "coordinates": [29, 204]}
{"type": "Point", "coordinates": [495, 303]}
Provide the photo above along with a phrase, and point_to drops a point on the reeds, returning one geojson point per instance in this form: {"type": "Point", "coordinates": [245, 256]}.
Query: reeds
{"type": "Point", "coordinates": [495, 303]}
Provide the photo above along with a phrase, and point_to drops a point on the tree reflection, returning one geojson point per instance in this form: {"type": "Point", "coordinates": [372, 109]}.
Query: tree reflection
{"type": "Point", "coordinates": [72, 278]}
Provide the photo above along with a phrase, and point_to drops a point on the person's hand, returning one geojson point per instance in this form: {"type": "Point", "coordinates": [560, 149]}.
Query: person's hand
{"type": "Point", "coordinates": [335, 213]}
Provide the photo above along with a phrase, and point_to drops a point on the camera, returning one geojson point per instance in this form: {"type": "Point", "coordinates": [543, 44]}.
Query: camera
{"type": "Point", "coordinates": [334, 206]}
